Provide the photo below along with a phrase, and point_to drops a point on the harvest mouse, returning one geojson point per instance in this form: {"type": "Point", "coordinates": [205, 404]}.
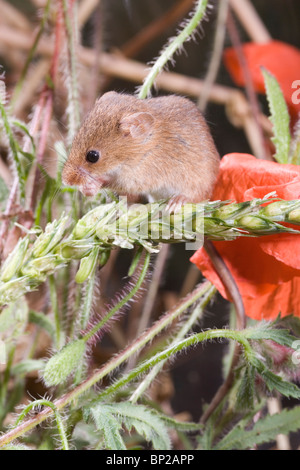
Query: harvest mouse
{"type": "Point", "coordinates": [160, 147]}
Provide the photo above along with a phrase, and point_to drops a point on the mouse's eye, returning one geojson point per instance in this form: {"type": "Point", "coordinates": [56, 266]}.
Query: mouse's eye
{"type": "Point", "coordinates": [92, 156]}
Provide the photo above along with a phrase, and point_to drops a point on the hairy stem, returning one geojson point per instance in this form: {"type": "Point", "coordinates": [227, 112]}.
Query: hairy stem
{"type": "Point", "coordinates": [173, 47]}
{"type": "Point", "coordinates": [74, 110]}
{"type": "Point", "coordinates": [59, 421]}
{"type": "Point", "coordinates": [191, 320]}
{"type": "Point", "coordinates": [122, 302]}
{"type": "Point", "coordinates": [171, 351]}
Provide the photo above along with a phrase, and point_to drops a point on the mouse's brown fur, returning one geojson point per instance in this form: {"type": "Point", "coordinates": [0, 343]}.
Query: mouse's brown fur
{"type": "Point", "coordinates": [160, 147]}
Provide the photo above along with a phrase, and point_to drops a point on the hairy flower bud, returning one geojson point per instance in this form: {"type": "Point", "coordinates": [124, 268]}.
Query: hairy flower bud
{"type": "Point", "coordinates": [62, 364]}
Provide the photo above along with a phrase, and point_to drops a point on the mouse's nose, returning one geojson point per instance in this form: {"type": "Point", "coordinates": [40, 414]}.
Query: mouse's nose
{"type": "Point", "coordinates": [70, 176]}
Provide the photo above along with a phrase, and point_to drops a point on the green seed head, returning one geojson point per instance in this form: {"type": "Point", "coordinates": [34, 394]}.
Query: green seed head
{"type": "Point", "coordinates": [50, 238]}
{"type": "Point", "coordinates": [276, 208]}
{"type": "Point", "coordinates": [14, 260]}
{"type": "Point", "coordinates": [294, 216]}
{"type": "Point", "coordinates": [227, 211]}
{"type": "Point", "coordinates": [87, 266]}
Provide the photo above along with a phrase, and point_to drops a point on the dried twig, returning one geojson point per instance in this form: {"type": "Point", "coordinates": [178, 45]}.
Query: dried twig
{"type": "Point", "coordinates": [251, 20]}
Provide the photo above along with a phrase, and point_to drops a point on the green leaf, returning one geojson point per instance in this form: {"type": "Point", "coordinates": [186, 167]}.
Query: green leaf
{"type": "Point", "coordinates": [16, 447]}
{"type": "Point", "coordinates": [146, 423]}
{"type": "Point", "coordinates": [21, 125]}
{"type": "Point", "coordinates": [294, 156]}
{"type": "Point", "coordinates": [28, 365]}
{"type": "Point", "coordinates": [3, 190]}
{"type": "Point", "coordinates": [266, 331]}
{"type": "Point", "coordinates": [275, 382]}
{"type": "Point", "coordinates": [264, 431]}
{"type": "Point", "coordinates": [13, 145]}
{"type": "Point", "coordinates": [109, 425]}
{"type": "Point", "coordinates": [43, 321]}
{"type": "Point", "coordinates": [246, 391]}
{"type": "Point", "coordinates": [279, 117]}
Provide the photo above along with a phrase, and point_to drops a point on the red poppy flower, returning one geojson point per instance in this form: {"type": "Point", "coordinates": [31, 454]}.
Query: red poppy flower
{"type": "Point", "coordinates": [266, 269]}
{"type": "Point", "coordinates": [279, 58]}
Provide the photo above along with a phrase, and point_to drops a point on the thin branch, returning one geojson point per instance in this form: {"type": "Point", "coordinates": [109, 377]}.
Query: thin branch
{"type": "Point", "coordinates": [216, 57]}
{"type": "Point", "coordinates": [251, 21]}
{"type": "Point", "coordinates": [174, 46]}
{"type": "Point", "coordinates": [254, 104]}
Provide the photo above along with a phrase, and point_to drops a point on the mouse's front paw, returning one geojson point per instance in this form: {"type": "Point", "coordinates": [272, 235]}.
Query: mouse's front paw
{"type": "Point", "coordinates": [175, 203]}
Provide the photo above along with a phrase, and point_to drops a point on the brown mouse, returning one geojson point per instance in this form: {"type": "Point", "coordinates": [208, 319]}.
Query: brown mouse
{"type": "Point", "coordinates": [160, 147]}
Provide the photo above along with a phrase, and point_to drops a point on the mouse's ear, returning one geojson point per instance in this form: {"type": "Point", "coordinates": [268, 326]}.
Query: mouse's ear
{"type": "Point", "coordinates": [137, 124]}
{"type": "Point", "coordinates": [107, 96]}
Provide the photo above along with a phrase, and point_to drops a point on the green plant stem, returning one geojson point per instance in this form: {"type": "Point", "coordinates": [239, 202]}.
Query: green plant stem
{"type": "Point", "coordinates": [59, 422]}
{"type": "Point", "coordinates": [122, 302]}
{"type": "Point", "coordinates": [172, 350]}
{"type": "Point", "coordinates": [190, 321]}
{"type": "Point", "coordinates": [4, 383]}
{"type": "Point", "coordinates": [173, 47]}
{"type": "Point", "coordinates": [31, 53]}
{"type": "Point", "coordinates": [54, 301]}
{"type": "Point", "coordinates": [111, 365]}
{"type": "Point", "coordinates": [14, 150]}
{"type": "Point", "coordinates": [88, 299]}
{"type": "Point", "coordinates": [74, 111]}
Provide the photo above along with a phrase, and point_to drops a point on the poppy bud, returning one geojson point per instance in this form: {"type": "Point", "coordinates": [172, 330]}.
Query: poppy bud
{"type": "Point", "coordinates": [62, 364]}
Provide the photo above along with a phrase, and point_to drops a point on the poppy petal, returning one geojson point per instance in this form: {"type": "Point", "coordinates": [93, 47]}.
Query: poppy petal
{"type": "Point", "coordinates": [279, 58]}
{"type": "Point", "coordinates": [265, 267]}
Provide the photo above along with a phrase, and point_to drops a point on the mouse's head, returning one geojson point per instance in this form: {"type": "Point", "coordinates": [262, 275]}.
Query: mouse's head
{"type": "Point", "coordinates": [113, 137]}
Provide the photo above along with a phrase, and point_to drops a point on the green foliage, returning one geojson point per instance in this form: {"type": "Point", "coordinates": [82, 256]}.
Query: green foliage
{"type": "Point", "coordinates": [8, 127]}
{"type": "Point", "coordinates": [279, 117]}
{"type": "Point", "coordinates": [111, 418]}
{"type": "Point", "coordinates": [63, 363]}
{"type": "Point", "coordinates": [294, 156]}
{"type": "Point", "coordinates": [265, 430]}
